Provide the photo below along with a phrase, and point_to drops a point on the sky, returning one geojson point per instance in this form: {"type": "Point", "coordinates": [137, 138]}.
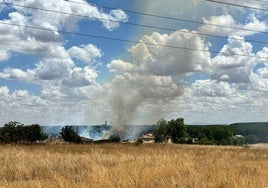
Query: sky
{"type": "Point", "coordinates": [133, 62]}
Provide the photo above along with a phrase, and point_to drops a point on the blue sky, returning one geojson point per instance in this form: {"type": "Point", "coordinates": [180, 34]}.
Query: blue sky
{"type": "Point", "coordinates": [52, 77]}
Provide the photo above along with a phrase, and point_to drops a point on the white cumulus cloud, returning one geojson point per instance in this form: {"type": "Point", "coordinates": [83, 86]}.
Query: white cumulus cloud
{"type": "Point", "coordinates": [86, 53]}
{"type": "Point", "coordinates": [120, 66]}
{"type": "Point", "coordinates": [81, 77]}
{"type": "Point", "coordinates": [227, 25]}
{"type": "Point", "coordinates": [234, 63]}
{"type": "Point", "coordinates": [188, 53]}
{"type": "Point", "coordinates": [4, 55]}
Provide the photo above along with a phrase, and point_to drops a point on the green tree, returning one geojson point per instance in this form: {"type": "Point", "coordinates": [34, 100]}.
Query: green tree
{"type": "Point", "coordinates": [161, 130]}
{"type": "Point", "coordinates": [69, 135]}
{"type": "Point", "coordinates": [177, 130]}
{"type": "Point", "coordinates": [222, 134]}
{"type": "Point", "coordinates": [10, 131]}
{"type": "Point", "coordinates": [14, 132]}
{"type": "Point", "coordinates": [251, 139]}
{"type": "Point", "coordinates": [34, 133]}
{"type": "Point", "coordinates": [238, 141]}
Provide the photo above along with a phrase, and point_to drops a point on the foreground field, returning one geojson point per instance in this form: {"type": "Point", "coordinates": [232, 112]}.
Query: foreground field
{"type": "Point", "coordinates": [119, 165]}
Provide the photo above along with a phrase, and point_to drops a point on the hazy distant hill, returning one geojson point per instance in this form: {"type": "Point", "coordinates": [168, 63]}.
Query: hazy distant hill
{"type": "Point", "coordinates": [252, 132]}
{"type": "Point", "coordinates": [259, 129]}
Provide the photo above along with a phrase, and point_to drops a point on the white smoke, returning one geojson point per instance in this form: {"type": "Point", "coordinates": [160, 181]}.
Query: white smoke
{"type": "Point", "coordinates": [129, 91]}
{"type": "Point", "coordinates": [149, 79]}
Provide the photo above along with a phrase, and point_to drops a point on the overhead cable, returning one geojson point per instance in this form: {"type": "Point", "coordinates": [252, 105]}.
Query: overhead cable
{"type": "Point", "coordinates": [237, 5]}
{"type": "Point", "coordinates": [167, 17]}
{"type": "Point", "coordinates": [153, 27]}
{"type": "Point", "coordinates": [132, 41]}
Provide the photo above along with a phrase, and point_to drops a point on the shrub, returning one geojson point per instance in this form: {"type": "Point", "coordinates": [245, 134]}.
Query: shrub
{"type": "Point", "coordinates": [68, 134]}
{"type": "Point", "coordinates": [114, 138]}
{"type": "Point", "coordinates": [138, 142]}
{"type": "Point", "coordinates": [15, 132]}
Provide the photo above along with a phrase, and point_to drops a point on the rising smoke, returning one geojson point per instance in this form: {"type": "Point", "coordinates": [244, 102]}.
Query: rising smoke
{"type": "Point", "coordinates": [149, 79]}
{"type": "Point", "coordinates": [131, 91]}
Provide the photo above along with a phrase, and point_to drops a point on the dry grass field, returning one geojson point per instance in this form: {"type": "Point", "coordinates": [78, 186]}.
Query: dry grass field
{"type": "Point", "coordinates": [126, 165]}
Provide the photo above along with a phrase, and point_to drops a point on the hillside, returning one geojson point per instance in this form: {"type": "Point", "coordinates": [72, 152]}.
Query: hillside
{"type": "Point", "coordinates": [250, 132]}
{"type": "Point", "coordinates": [255, 130]}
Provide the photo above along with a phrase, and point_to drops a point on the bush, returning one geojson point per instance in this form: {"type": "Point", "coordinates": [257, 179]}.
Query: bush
{"type": "Point", "coordinates": [238, 141]}
{"type": "Point", "coordinates": [138, 142]}
{"type": "Point", "coordinates": [251, 139]}
{"type": "Point", "coordinates": [114, 138]}
{"type": "Point", "coordinates": [182, 141]}
{"type": "Point", "coordinates": [68, 134]}
{"type": "Point", "coordinates": [15, 132]}
{"type": "Point", "coordinates": [189, 141]}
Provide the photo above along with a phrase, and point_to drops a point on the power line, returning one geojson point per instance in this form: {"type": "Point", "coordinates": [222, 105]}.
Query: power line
{"type": "Point", "coordinates": [161, 16]}
{"type": "Point", "coordinates": [241, 6]}
{"type": "Point", "coordinates": [167, 17]}
{"type": "Point", "coordinates": [149, 26]}
{"type": "Point", "coordinates": [131, 41]}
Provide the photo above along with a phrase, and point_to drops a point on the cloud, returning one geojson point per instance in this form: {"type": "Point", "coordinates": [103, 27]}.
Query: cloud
{"type": "Point", "coordinates": [115, 17]}
{"type": "Point", "coordinates": [263, 72]}
{"type": "Point", "coordinates": [4, 92]}
{"type": "Point", "coordinates": [17, 74]}
{"type": "Point", "coordinates": [145, 87]}
{"type": "Point", "coordinates": [52, 69]}
{"type": "Point", "coordinates": [4, 55]}
{"type": "Point", "coordinates": [28, 40]}
{"type": "Point", "coordinates": [120, 66]}
{"type": "Point", "coordinates": [211, 88]}
{"type": "Point", "coordinates": [69, 9]}
{"type": "Point", "coordinates": [225, 20]}
{"type": "Point", "coordinates": [263, 56]}
{"type": "Point", "coordinates": [259, 83]}
{"type": "Point", "coordinates": [234, 63]}
{"type": "Point", "coordinates": [65, 89]}
{"type": "Point", "coordinates": [253, 24]}
{"type": "Point", "coordinates": [57, 66]}
{"type": "Point", "coordinates": [19, 105]}
{"type": "Point", "coordinates": [81, 77]}
{"type": "Point", "coordinates": [86, 53]}
{"type": "Point", "coordinates": [213, 26]}
{"type": "Point", "coordinates": [168, 61]}
{"type": "Point", "coordinates": [220, 102]}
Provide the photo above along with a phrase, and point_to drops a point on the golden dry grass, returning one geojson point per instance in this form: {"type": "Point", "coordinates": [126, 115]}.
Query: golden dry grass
{"type": "Point", "coordinates": [119, 165]}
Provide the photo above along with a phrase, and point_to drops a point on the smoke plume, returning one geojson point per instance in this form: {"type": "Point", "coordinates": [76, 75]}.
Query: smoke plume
{"type": "Point", "coordinates": [149, 79]}
{"type": "Point", "coordinates": [130, 91]}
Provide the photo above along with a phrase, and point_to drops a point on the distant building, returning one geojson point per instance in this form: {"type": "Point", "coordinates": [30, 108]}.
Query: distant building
{"type": "Point", "coordinates": [238, 136]}
{"type": "Point", "coordinates": [147, 138]}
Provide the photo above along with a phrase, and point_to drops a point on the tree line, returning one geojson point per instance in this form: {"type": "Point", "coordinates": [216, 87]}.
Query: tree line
{"type": "Point", "coordinates": [234, 134]}
{"type": "Point", "coordinates": [15, 132]}
{"type": "Point", "coordinates": [252, 132]}
{"type": "Point", "coordinates": [178, 132]}
{"type": "Point", "coordinates": [174, 130]}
